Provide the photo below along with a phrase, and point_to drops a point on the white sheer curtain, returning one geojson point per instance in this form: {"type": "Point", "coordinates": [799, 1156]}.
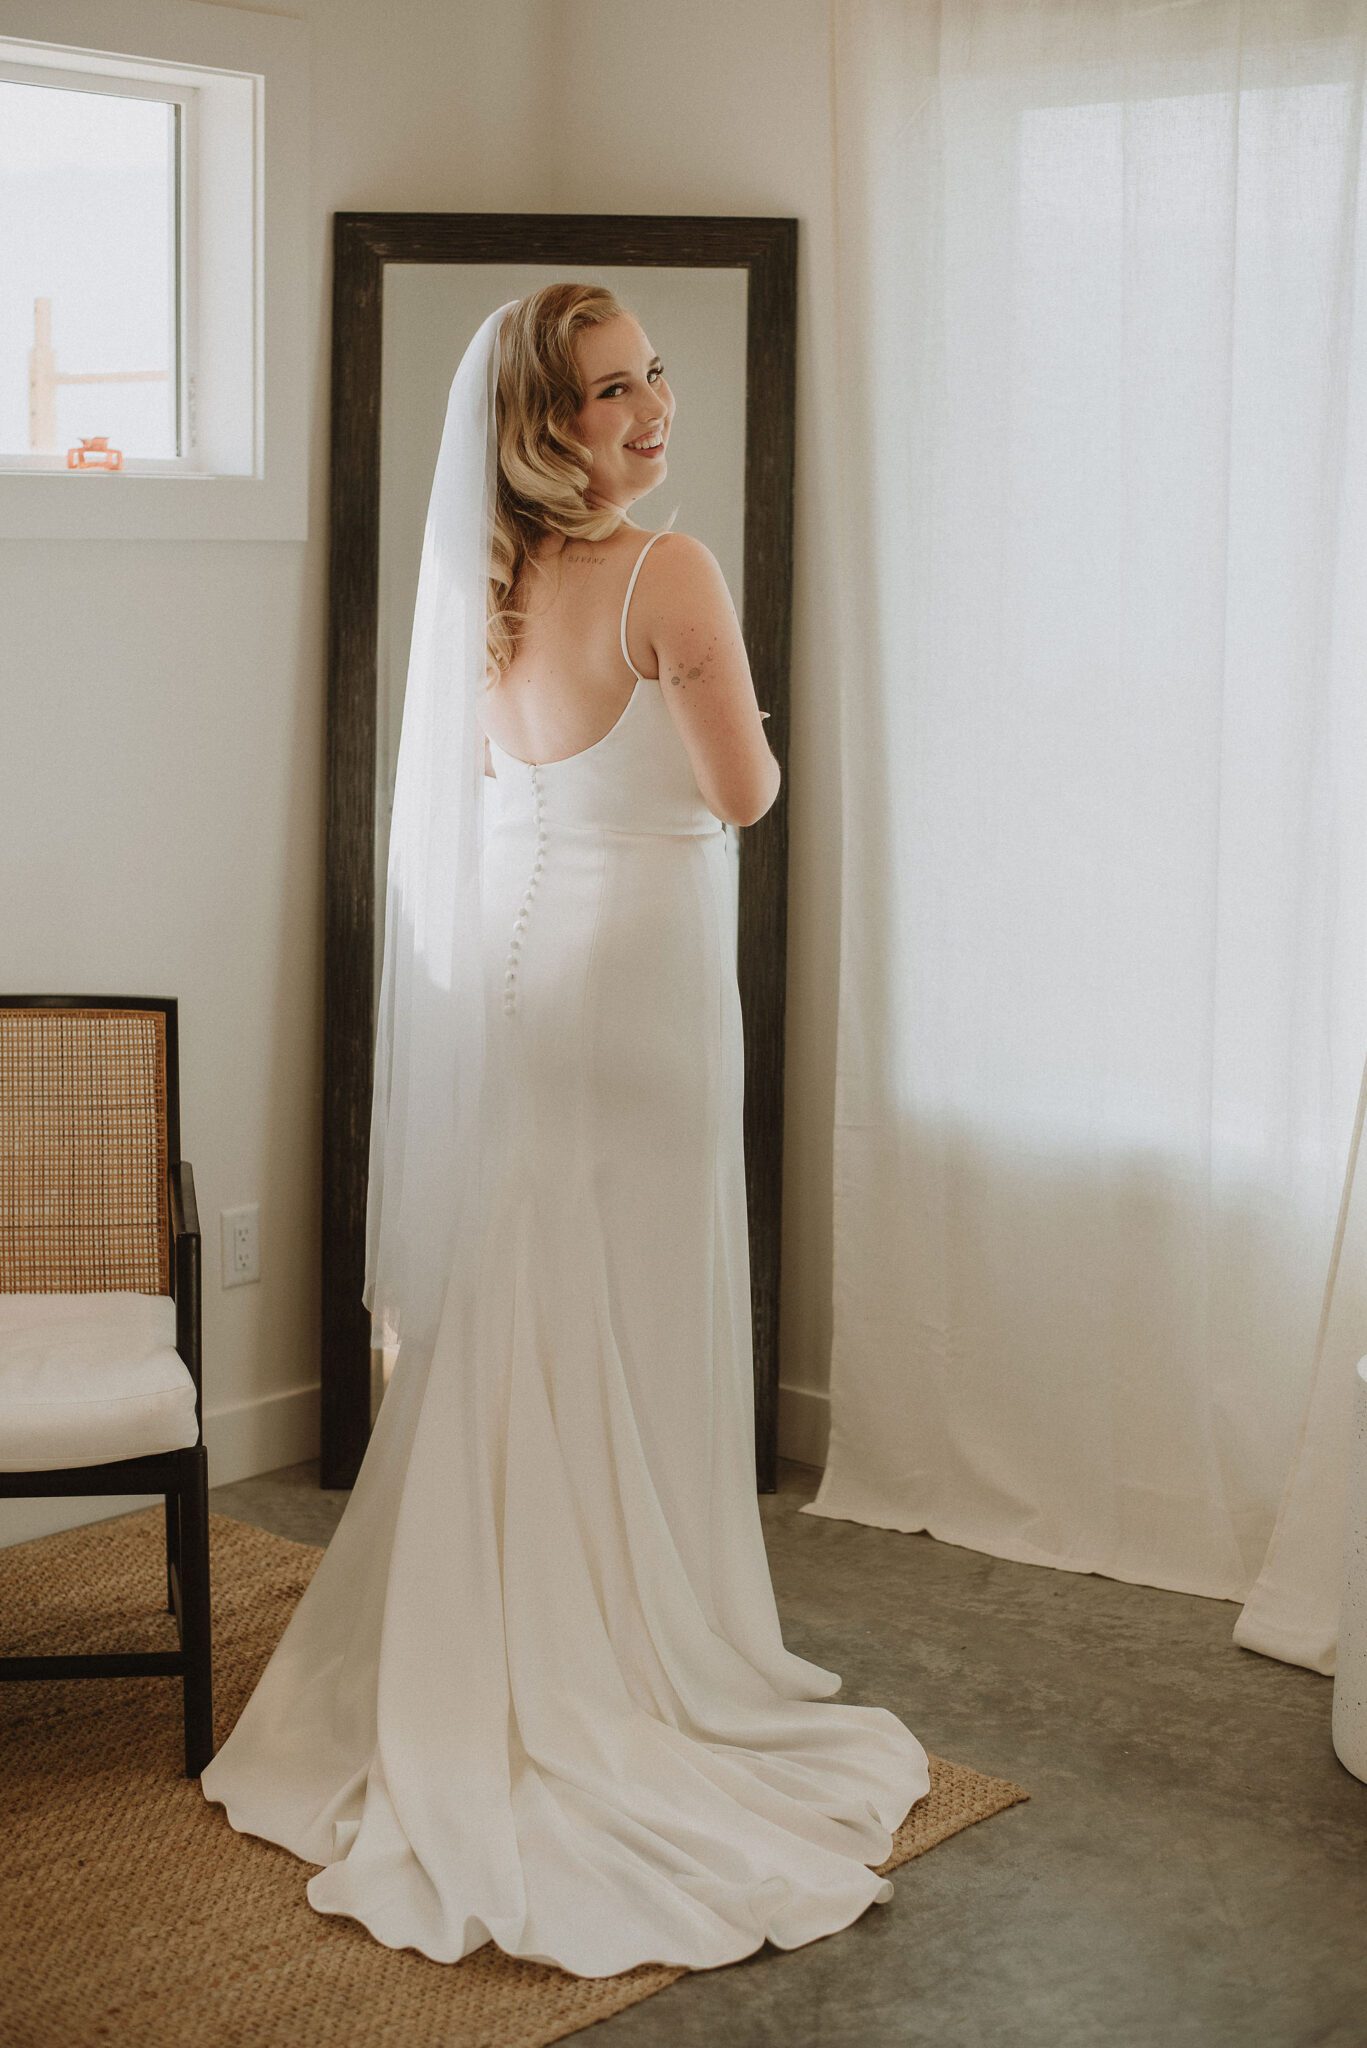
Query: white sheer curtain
{"type": "Point", "coordinates": [1100, 1280]}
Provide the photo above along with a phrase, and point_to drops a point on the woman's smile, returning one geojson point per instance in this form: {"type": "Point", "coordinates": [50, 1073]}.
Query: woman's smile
{"type": "Point", "coordinates": [620, 374]}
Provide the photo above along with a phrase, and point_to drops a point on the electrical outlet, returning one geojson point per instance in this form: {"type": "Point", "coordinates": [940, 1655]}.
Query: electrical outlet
{"type": "Point", "coordinates": [241, 1246]}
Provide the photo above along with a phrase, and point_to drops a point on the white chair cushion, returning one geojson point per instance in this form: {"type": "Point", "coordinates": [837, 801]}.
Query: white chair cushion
{"type": "Point", "coordinates": [89, 1377]}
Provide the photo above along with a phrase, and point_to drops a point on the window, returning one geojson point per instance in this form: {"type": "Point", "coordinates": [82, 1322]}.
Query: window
{"type": "Point", "coordinates": [153, 273]}
{"type": "Point", "coordinates": [95, 348]}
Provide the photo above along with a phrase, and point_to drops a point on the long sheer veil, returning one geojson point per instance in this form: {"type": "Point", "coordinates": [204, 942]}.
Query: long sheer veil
{"type": "Point", "coordinates": [427, 1175]}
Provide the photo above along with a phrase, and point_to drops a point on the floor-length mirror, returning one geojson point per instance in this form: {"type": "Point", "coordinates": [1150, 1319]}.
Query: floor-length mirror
{"type": "Point", "coordinates": [716, 299]}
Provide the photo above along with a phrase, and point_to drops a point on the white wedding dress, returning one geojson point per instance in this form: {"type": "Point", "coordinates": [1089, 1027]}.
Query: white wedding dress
{"type": "Point", "coordinates": [536, 1691]}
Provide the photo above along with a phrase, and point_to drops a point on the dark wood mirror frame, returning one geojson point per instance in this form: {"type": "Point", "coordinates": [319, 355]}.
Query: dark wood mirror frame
{"type": "Point", "coordinates": [766, 249]}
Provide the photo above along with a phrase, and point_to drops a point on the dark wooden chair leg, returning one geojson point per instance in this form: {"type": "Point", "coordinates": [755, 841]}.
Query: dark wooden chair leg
{"type": "Point", "coordinates": [172, 1548]}
{"type": "Point", "coordinates": [194, 1609]}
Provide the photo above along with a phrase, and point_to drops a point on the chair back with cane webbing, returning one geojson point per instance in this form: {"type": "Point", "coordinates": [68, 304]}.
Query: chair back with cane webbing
{"type": "Point", "coordinates": [84, 1151]}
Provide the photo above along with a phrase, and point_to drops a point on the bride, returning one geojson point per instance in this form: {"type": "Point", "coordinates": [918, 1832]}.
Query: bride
{"type": "Point", "coordinates": [536, 1690]}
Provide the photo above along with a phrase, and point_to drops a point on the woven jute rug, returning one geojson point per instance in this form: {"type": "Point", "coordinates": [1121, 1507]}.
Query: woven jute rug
{"type": "Point", "coordinates": [131, 1912]}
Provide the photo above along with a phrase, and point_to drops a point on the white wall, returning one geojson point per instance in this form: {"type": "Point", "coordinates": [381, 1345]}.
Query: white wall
{"type": "Point", "coordinates": [161, 775]}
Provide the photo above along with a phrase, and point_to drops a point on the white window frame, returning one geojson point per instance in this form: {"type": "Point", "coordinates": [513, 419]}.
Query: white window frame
{"type": "Point", "coordinates": [247, 281]}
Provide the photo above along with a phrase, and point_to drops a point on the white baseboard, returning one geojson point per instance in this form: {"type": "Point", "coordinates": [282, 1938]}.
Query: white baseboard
{"type": "Point", "coordinates": [262, 1435]}
{"type": "Point", "coordinates": [804, 1424]}
{"type": "Point", "coordinates": [247, 1438]}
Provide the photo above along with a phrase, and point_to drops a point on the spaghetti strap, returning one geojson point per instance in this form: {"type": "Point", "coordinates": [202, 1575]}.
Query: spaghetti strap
{"type": "Point", "coordinates": [635, 572]}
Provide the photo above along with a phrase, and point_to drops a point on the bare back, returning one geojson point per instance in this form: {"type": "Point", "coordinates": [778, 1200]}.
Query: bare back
{"type": "Point", "coordinates": [569, 681]}
{"type": "Point", "coordinates": [596, 627]}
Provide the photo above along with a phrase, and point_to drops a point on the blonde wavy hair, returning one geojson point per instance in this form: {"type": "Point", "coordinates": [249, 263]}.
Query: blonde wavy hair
{"type": "Point", "coordinates": [543, 468]}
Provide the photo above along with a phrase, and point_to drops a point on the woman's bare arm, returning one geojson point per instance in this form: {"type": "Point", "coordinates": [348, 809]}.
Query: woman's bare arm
{"type": "Point", "coordinates": [688, 618]}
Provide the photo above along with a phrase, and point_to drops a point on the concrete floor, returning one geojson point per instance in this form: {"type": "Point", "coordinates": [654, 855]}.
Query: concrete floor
{"type": "Point", "coordinates": [1191, 1866]}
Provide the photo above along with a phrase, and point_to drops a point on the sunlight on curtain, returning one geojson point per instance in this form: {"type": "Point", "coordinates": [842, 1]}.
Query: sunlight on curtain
{"type": "Point", "coordinates": [1103, 1004]}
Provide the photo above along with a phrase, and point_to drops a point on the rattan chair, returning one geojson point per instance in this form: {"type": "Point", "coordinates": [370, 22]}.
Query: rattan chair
{"type": "Point", "coordinates": [100, 1380]}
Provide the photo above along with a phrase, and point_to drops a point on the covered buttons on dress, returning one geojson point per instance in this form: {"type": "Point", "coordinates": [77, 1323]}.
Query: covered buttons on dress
{"type": "Point", "coordinates": [524, 911]}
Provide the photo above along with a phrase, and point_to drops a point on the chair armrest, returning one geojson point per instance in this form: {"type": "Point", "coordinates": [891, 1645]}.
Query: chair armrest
{"type": "Point", "coordinates": [184, 1208]}
{"type": "Point", "coordinates": [186, 1254]}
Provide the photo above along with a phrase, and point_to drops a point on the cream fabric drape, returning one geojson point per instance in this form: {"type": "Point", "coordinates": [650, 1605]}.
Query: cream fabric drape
{"type": "Point", "coordinates": [1103, 1004]}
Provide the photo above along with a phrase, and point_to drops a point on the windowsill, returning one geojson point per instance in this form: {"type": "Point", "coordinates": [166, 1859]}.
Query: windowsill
{"type": "Point", "coordinates": [126, 474]}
